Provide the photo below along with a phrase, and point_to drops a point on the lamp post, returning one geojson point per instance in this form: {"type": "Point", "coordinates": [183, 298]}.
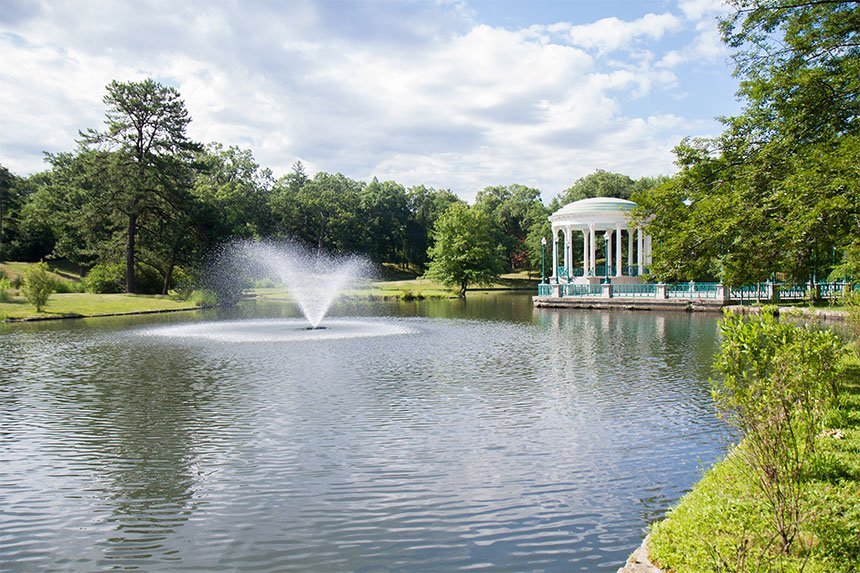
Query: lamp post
{"type": "Point", "coordinates": [542, 258]}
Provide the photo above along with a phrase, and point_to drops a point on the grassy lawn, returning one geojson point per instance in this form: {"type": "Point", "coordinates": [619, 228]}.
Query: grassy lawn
{"type": "Point", "coordinates": [719, 525]}
{"type": "Point", "coordinates": [86, 304]}
{"type": "Point", "coordinates": [415, 288]}
{"type": "Point", "coordinates": [398, 284]}
{"type": "Point", "coordinates": [68, 278]}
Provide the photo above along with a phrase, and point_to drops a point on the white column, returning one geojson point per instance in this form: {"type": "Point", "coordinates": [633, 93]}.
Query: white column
{"type": "Point", "coordinates": [554, 253]}
{"type": "Point", "coordinates": [607, 251]}
{"type": "Point", "coordinates": [618, 250]}
{"type": "Point", "coordinates": [592, 252]}
{"type": "Point", "coordinates": [640, 262]}
{"type": "Point", "coordinates": [584, 252]}
{"type": "Point", "coordinates": [648, 250]}
{"type": "Point", "coordinates": [629, 247]}
{"type": "Point", "coordinates": [567, 237]}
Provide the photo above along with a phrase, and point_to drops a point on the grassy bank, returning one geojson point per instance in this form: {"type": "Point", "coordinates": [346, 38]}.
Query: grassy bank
{"type": "Point", "coordinates": [70, 301]}
{"type": "Point", "coordinates": [414, 288]}
{"type": "Point", "coordinates": [87, 304]}
{"type": "Point", "coordinates": [726, 523]}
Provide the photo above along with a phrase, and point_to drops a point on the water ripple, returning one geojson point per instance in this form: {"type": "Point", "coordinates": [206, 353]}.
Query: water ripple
{"type": "Point", "coordinates": [411, 444]}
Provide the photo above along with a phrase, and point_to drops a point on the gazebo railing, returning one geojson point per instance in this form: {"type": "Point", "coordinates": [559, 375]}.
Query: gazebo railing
{"type": "Point", "coordinates": [792, 291]}
{"type": "Point", "coordinates": [759, 292]}
{"type": "Point", "coordinates": [580, 290]}
{"type": "Point", "coordinates": [646, 290]}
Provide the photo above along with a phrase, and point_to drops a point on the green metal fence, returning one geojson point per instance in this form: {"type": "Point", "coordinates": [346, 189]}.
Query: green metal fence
{"type": "Point", "coordinates": [646, 290]}
{"type": "Point", "coordinates": [581, 290]}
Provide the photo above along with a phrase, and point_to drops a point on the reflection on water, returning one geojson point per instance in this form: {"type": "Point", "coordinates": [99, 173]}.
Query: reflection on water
{"type": "Point", "coordinates": [487, 435]}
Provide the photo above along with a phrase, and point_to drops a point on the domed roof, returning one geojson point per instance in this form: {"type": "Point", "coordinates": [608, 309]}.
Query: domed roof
{"type": "Point", "coordinates": [595, 205]}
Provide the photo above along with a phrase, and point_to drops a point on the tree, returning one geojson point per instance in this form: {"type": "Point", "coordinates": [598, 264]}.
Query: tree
{"type": "Point", "coordinates": [38, 285]}
{"type": "Point", "coordinates": [512, 209]}
{"type": "Point", "coordinates": [465, 250]}
{"type": "Point", "coordinates": [6, 180]}
{"type": "Point", "coordinates": [231, 183]}
{"type": "Point", "coordinates": [322, 212]}
{"type": "Point", "coordinates": [149, 153]}
{"type": "Point", "coordinates": [777, 191]}
{"type": "Point", "coordinates": [384, 216]}
{"type": "Point", "coordinates": [598, 184]}
{"type": "Point", "coordinates": [426, 205]}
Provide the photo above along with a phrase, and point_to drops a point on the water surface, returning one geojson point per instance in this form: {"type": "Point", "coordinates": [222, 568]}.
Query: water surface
{"type": "Point", "coordinates": [484, 435]}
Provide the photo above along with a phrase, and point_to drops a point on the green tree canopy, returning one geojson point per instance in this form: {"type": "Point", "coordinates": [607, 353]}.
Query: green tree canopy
{"type": "Point", "coordinates": [426, 205]}
{"type": "Point", "coordinates": [777, 192]}
{"type": "Point", "coordinates": [598, 184]}
{"type": "Point", "coordinates": [147, 153]}
{"type": "Point", "coordinates": [466, 250]}
{"type": "Point", "coordinates": [512, 209]}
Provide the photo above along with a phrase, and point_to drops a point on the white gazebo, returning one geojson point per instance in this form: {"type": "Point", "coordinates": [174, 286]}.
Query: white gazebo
{"type": "Point", "coordinates": [600, 220]}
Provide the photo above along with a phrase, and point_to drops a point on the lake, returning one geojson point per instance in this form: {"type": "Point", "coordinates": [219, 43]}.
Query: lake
{"type": "Point", "coordinates": [409, 436]}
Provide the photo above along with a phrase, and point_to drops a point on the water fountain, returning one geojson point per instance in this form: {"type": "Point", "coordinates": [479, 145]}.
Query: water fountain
{"type": "Point", "coordinates": [312, 280]}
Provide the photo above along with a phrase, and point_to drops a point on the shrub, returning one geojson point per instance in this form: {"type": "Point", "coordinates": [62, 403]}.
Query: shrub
{"type": "Point", "coordinates": [65, 286]}
{"type": "Point", "coordinates": [203, 297]}
{"type": "Point", "coordinates": [38, 285]}
{"type": "Point", "coordinates": [778, 381]}
{"type": "Point", "coordinates": [5, 285]}
{"type": "Point", "coordinates": [105, 278]}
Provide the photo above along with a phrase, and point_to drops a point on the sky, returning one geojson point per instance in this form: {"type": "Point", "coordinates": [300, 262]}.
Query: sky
{"type": "Point", "coordinates": [455, 94]}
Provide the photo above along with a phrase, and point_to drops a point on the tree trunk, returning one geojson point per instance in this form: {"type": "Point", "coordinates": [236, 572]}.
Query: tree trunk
{"type": "Point", "coordinates": [130, 286]}
{"type": "Point", "coordinates": [170, 265]}
{"type": "Point", "coordinates": [462, 293]}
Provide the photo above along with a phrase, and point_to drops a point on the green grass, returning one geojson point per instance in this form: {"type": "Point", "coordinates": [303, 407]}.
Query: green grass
{"type": "Point", "coordinates": [67, 277]}
{"type": "Point", "coordinates": [720, 525]}
{"type": "Point", "coordinates": [87, 304]}
{"type": "Point", "coordinates": [415, 288]}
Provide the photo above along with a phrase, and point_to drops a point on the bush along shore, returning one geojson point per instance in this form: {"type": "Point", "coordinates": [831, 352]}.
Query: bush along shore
{"type": "Point", "coordinates": [787, 497]}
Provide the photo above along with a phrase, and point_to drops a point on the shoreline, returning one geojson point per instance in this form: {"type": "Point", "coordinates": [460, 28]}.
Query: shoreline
{"type": "Point", "coordinates": [100, 315]}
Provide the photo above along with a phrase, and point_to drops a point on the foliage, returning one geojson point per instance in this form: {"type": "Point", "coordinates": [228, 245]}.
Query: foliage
{"type": "Point", "coordinates": [426, 205]}
{"type": "Point", "coordinates": [203, 298]}
{"type": "Point", "coordinates": [144, 160]}
{"type": "Point", "coordinates": [235, 191]}
{"type": "Point", "coordinates": [38, 285]}
{"type": "Point", "coordinates": [598, 184]}
{"type": "Point", "coordinates": [851, 301]}
{"type": "Point", "coordinates": [5, 286]}
{"type": "Point", "coordinates": [778, 381]}
{"type": "Point", "coordinates": [466, 251]}
{"type": "Point", "coordinates": [513, 209]}
{"type": "Point", "coordinates": [783, 500]}
{"type": "Point", "coordinates": [849, 268]}
{"type": "Point", "coordinates": [105, 278]}
{"type": "Point", "coordinates": [777, 191]}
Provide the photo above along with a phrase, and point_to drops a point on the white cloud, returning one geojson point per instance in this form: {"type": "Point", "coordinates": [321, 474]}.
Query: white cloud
{"type": "Point", "coordinates": [422, 94]}
{"type": "Point", "coordinates": [700, 9]}
{"type": "Point", "coordinates": [705, 47]}
{"type": "Point", "coordinates": [611, 34]}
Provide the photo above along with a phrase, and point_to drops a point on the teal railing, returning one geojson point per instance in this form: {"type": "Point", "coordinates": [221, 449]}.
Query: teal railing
{"type": "Point", "coordinates": [679, 290]}
{"type": "Point", "coordinates": [759, 292]}
{"type": "Point", "coordinates": [544, 289]}
{"type": "Point", "coordinates": [580, 290]}
{"type": "Point", "coordinates": [792, 291]}
{"type": "Point", "coordinates": [635, 290]}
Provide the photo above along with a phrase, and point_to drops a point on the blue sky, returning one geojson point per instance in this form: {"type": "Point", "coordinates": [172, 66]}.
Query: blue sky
{"type": "Point", "coordinates": [452, 94]}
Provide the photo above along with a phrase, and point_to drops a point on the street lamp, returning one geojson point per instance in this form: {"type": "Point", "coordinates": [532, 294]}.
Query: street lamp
{"type": "Point", "coordinates": [542, 257]}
